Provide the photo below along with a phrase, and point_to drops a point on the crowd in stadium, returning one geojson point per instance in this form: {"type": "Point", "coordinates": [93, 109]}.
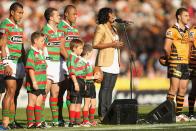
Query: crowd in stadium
{"type": "Point", "coordinates": [151, 19]}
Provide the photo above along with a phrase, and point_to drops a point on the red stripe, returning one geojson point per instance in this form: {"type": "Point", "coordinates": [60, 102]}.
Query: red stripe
{"type": "Point", "coordinates": [10, 25]}
{"type": "Point", "coordinates": [40, 72]}
{"type": "Point", "coordinates": [10, 42]}
{"type": "Point", "coordinates": [42, 82]}
{"type": "Point", "coordinates": [54, 99]}
{"type": "Point", "coordinates": [17, 51]}
{"type": "Point", "coordinates": [38, 108]}
{"type": "Point", "coordinates": [16, 33]}
{"type": "Point", "coordinates": [30, 108]}
{"type": "Point", "coordinates": [29, 67]}
{"type": "Point", "coordinates": [53, 53]}
{"type": "Point", "coordinates": [30, 60]}
{"type": "Point", "coordinates": [30, 119]}
{"type": "Point", "coordinates": [54, 39]}
{"type": "Point", "coordinates": [89, 74]}
{"type": "Point", "coordinates": [55, 116]}
{"type": "Point", "coordinates": [50, 31]}
{"type": "Point", "coordinates": [39, 62]}
{"type": "Point", "coordinates": [53, 104]}
{"type": "Point", "coordinates": [1, 71]}
{"type": "Point", "coordinates": [65, 26]}
{"type": "Point", "coordinates": [37, 113]}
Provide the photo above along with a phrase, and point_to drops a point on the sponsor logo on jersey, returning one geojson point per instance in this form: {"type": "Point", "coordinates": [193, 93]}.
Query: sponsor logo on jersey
{"type": "Point", "coordinates": [69, 38]}
{"type": "Point", "coordinates": [16, 39]}
{"type": "Point", "coordinates": [54, 43]}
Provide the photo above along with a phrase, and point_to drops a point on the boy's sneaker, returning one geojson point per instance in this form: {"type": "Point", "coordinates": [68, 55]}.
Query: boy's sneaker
{"type": "Point", "coordinates": [86, 124]}
{"type": "Point", "coordinates": [14, 125]}
{"type": "Point", "coordinates": [182, 118]}
{"type": "Point", "coordinates": [3, 128]}
{"type": "Point", "coordinates": [93, 123]}
{"type": "Point", "coordinates": [41, 126]}
{"type": "Point", "coordinates": [45, 124]}
{"type": "Point", "coordinates": [61, 123]}
{"type": "Point", "coordinates": [71, 124]}
{"type": "Point", "coordinates": [192, 118]}
{"type": "Point", "coordinates": [66, 124]}
{"type": "Point", "coordinates": [31, 126]}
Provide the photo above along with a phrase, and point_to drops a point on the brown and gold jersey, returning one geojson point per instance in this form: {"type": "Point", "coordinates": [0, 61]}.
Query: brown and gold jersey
{"type": "Point", "coordinates": [192, 37]}
{"type": "Point", "coordinates": [180, 47]}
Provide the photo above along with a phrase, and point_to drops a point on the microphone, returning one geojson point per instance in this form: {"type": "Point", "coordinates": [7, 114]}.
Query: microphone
{"type": "Point", "coordinates": [120, 21]}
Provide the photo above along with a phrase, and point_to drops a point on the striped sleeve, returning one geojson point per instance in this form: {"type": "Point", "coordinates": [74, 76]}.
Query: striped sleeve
{"type": "Point", "coordinates": [30, 63]}
{"type": "Point", "coordinates": [71, 65]}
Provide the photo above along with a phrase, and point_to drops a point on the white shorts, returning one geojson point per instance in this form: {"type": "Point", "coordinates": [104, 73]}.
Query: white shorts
{"type": "Point", "coordinates": [18, 69]}
{"type": "Point", "coordinates": [55, 71]}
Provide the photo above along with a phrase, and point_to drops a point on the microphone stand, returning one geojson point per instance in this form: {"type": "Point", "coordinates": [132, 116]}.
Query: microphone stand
{"type": "Point", "coordinates": [131, 60]}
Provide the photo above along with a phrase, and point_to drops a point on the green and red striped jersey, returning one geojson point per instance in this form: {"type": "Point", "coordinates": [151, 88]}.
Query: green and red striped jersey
{"type": "Point", "coordinates": [70, 33]}
{"type": "Point", "coordinates": [14, 35]}
{"type": "Point", "coordinates": [76, 66]}
{"type": "Point", "coordinates": [53, 41]}
{"type": "Point", "coordinates": [36, 61]}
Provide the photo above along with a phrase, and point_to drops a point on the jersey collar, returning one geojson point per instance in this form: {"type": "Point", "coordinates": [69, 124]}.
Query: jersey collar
{"type": "Point", "coordinates": [12, 22]}
{"type": "Point", "coordinates": [177, 24]}
{"type": "Point", "coordinates": [67, 24]}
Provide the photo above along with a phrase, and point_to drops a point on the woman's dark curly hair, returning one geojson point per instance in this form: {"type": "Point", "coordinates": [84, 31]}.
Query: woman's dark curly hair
{"type": "Point", "coordinates": [103, 15]}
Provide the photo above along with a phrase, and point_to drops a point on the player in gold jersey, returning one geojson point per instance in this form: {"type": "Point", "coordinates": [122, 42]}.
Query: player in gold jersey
{"type": "Point", "coordinates": [177, 52]}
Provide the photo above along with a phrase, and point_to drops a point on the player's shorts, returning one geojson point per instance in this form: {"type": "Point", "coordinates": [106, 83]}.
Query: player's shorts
{"type": "Point", "coordinates": [18, 70]}
{"type": "Point", "coordinates": [180, 71]}
{"type": "Point", "coordinates": [90, 91]}
{"type": "Point", "coordinates": [55, 71]}
{"type": "Point", "coordinates": [2, 84]}
{"type": "Point", "coordinates": [76, 97]}
{"type": "Point", "coordinates": [37, 92]}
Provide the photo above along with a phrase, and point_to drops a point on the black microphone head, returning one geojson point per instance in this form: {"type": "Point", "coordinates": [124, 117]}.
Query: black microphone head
{"type": "Point", "coordinates": [118, 20]}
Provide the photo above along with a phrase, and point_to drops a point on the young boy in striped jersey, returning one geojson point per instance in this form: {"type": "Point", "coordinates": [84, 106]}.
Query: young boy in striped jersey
{"type": "Point", "coordinates": [36, 80]}
{"type": "Point", "coordinates": [76, 68]}
{"type": "Point", "coordinates": [90, 92]}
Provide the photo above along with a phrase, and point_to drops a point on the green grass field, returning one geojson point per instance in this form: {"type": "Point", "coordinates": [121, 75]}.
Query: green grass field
{"type": "Point", "coordinates": [143, 110]}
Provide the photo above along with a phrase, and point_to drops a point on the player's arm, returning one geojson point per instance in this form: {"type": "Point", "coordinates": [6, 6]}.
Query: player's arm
{"type": "Point", "coordinates": [63, 51]}
{"type": "Point", "coordinates": [32, 76]}
{"type": "Point", "coordinates": [192, 37]}
{"type": "Point", "coordinates": [30, 66]}
{"type": "Point", "coordinates": [167, 47]}
{"type": "Point", "coordinates": [168, 42]}
{"type": "Point", "coordinates": [8, 70]}
{"type": "Point", "coordinates": [76, 85]}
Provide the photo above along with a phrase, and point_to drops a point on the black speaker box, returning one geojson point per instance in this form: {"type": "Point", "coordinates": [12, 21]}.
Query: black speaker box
{"type": "Point", "coordinates": [164, 113]}
{"type": "Point", "coordinates": [122, 111]}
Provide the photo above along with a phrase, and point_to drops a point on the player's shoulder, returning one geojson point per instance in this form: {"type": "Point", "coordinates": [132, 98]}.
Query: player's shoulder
{"type": "Point", "coordinates": [4, 22]}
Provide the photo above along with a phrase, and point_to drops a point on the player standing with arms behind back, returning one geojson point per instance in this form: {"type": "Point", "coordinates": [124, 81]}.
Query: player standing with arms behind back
{"type": "Point", "coordinates": [177, 53]}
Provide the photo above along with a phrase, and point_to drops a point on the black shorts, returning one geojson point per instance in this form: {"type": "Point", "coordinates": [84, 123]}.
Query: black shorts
{"type": "Point", "coordinates": [76, 97]}
{"type": "Point", "coordinates": [192, 72]}
{"type": "Point", "coordinates": [2, 85]}
{"type": "Point", "coordinates": [37, 92]}
{"type": "Point", "coordinates": [90, 91]}
{"type": "Point", "coordinates": [180, 71]}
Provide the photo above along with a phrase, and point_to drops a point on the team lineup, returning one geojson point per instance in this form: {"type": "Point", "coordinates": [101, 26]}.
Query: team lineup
{"type": "Point", "coordinates": [58, 61]}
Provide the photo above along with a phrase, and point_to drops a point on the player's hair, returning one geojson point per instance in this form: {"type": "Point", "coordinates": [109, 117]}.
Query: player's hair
{"type": "Point", "coordinates": [66, 9]}
{"type": "Point", "coordinates": [75, 43]}
{"type": "Point", "coordinates": [1, 35]}
{"type": "Point", "coordinates": [86, 49]}
{"type": "Point", "coordinates": [36, 35]}
{"type": "Point", "coordinates": [103, 15]}
{"type": "Point", "coordinates": [48, 13]}
{"type": "Point", "coordinates": [14, 6]}
{"type": "Point", "coordinates": [180, 11]}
